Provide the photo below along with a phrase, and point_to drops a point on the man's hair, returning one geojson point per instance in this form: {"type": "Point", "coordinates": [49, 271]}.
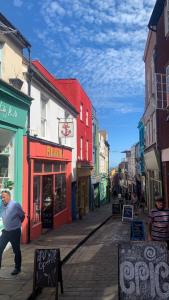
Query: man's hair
{"type": "Point", "coordinates": [159, 198]}
{"type": "Point", "coordinates": [6, 192]}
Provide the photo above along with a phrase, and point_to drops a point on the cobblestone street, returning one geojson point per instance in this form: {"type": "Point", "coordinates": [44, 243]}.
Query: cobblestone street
{"type": "Point", "coordinates": [92, 272]}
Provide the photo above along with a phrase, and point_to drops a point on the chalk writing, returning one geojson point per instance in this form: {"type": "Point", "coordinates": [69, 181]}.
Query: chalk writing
{"type": "Point", "coordinates": [141, 276]}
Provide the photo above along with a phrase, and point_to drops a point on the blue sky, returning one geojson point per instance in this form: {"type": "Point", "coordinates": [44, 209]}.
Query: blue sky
{"type": "Point", "coordinates": [100, 42]}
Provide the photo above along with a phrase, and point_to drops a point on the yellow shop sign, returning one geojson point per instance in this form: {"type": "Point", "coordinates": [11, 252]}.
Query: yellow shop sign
{"type": "Point", "coordinates": [52, 152]}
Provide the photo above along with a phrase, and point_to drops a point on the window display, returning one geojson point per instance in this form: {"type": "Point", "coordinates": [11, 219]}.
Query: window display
{"type": "Point", "coordinates": [36, 200]}
{"type": "Point", "coordinates": [7, 138]}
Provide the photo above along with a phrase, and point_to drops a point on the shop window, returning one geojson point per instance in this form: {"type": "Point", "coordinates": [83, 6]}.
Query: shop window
{"type": "Point", "coordinates": [56, 167]}
{"type": "Point", "coordinates": [36, 200]}
{"type": "Point", "coordinates": [3, 166]}
{"type": "Point", "coordinates": [6, 156]}
{"type": "Point", "coordinates": [48, 167]}
{"type": "Point", "coordinates": [60, 193]}
{"type": "Point", "coordinates": [63, 167]}
{"type": "Point", "coordinates": [37, 166]}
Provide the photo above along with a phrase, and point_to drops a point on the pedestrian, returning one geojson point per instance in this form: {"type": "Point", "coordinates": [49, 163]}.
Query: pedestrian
{"type": "Point", "coordinates": [12, 217]}
{"type": "Point", "coordinates": [158, 226]}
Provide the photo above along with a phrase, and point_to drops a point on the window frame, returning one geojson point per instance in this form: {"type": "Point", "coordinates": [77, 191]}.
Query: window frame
{"type": "Point", "coordinates": [43, 101]}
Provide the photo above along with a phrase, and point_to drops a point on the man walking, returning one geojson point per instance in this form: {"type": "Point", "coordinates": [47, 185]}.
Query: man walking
{"type": "Point", "coordinates": [158, 229]}
{"type": "Point", "coordinates": [12, 217]}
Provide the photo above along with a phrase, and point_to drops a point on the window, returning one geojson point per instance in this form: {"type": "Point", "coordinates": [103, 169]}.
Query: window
{"type": "Point", "coordinates": [48, 167]}
{"type": "Point", "coordinates": [81, 148]}
{"type": "Point", "coordinates": [36, 200]}
{"type": "Point", "coordinates": [166, 17]}
{"type": "Point", "coordinates": [81, 112]}
{"type": "Point", "coordinates": [87, 150]}
{"type": "Point", "coordinates": [37, 166]}
{"type": "Point", "coordinates": [87, 118]}
{"type": "Point", "coordinates": [43, 115]}
{"type": "Point", "coordinates": [60, 193]}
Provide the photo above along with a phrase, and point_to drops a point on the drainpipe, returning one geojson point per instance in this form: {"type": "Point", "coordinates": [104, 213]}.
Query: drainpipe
{"type": "Point", "coordinates": [28, 145]}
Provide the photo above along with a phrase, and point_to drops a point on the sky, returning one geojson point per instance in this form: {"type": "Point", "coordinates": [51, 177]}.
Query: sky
{"type": "Point", "coordinates": [99, 42]}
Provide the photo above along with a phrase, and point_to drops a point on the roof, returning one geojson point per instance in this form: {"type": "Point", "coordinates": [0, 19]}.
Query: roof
{"type": "Point", "coordinates": [14, 33]}
{"type": "Point", "coordinates": [156, 14]}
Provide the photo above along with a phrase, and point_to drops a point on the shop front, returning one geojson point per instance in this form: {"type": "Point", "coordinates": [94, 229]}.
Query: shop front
{"type": "Point", "coordinates": [14, 106]}
{"type": "Point", "coordinates": [50, 181]}
{"type": "Point", "coordinates": [83, 188]}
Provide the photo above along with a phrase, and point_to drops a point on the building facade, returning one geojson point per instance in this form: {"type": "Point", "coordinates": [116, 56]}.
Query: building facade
{"type": "Point", "coordinates": [76, 95]}
{"type": "Point", "coordinates": [95, 178]}
{"type": "Point", "coordinates": [104, 167]}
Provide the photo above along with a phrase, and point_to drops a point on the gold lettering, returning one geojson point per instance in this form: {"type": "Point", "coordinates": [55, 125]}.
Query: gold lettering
{"type": "Point", "coordinates": [52, 152]}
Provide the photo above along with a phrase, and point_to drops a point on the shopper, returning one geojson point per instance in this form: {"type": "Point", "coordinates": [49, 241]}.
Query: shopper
{"type": "Point", "coordinates": [158, 227]}
{"type": "Point", "coordinates": [12, 217]}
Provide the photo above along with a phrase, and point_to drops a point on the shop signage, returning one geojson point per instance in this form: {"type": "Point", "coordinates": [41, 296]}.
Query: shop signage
{"type": "Point", "coordinates": [137, 231]}
{"type": "Point", "coordinates": [53, 152]}
{"type": "Point", "coordinates": [127, 214]}
{"type": "Point", "coordinates": [12, 114]}
{"type": "Point", "coordinates": [66, 129]}
{"type": "Point", "coordinates": [47, 270]}
{"type": "Point", "coordinates": [143, 271]}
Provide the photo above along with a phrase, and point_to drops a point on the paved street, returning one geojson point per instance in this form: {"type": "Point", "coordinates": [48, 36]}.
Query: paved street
{"type": "Point", "coordinates": [92, 272]}
{"type": "Point", "coordinates": [66, 238]}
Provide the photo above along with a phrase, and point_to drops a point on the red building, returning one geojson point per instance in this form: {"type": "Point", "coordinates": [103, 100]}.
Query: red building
{"type": "Point", "coordinates": [75, 94]}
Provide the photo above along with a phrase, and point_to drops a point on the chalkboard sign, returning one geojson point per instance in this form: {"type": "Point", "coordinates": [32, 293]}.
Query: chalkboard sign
{"type": "Point", "coordinates": [47, 269]}
{"type": "Point", "coordinates": [137, 231]}
{"type": "Point", "coordinates": [116, 208]}
{"type": "Point", "coordinates": [127, 212]}
{"type": "Point", "coordinates": [143, 271]}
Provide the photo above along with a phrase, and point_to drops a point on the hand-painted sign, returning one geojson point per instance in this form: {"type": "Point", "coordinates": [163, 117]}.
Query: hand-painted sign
{"type": "Point", "coordinates": [116, 208]}
{"type": "Point", "coordinates": [137, 231]}
{"type": "Point", "coordinates": [66, 129]}
{"type": "Point", "coordinates": [143, 271]}
{"type": "Point", "coordinates": [47, 269]}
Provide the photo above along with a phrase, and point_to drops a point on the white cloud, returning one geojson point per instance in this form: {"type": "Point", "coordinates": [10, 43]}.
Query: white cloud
{"type": "Point", "coordinates": [101, 43]}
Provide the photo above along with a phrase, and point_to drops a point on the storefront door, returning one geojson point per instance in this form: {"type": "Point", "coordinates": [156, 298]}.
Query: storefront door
{"type": "Point", "coordinates": [47, 201]}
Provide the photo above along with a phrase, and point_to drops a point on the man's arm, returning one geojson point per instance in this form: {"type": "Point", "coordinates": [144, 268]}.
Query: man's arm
{"type": "Point", "coordinates": [21, 213]}
{"type": "Point", "coordinates": [150, 227]}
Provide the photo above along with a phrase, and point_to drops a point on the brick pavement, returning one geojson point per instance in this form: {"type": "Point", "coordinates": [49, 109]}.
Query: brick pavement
{"type": "Point", "coordinates": [66, 238]}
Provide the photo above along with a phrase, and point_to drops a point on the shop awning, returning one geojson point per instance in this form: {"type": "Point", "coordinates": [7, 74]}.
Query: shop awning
{"type": "Point", "coordinates": [151, 161]}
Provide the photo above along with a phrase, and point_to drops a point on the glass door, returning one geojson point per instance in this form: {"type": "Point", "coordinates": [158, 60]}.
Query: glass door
{"type": "Point", "coordinates": [47, 201]}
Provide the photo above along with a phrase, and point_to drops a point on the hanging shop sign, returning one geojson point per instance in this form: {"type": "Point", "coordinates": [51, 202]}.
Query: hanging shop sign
{"type": "Point", "coordinates": [66, 129]}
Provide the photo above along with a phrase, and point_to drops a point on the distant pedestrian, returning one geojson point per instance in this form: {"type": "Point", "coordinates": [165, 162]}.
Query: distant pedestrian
{"type": "Point", "coordinates": [12, 217]}
{"type": "Point", "coordinates": [158, 228]}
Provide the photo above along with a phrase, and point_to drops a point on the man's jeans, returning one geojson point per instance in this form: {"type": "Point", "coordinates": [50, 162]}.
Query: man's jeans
{"type": "Point", "coordinates": [14, 237]}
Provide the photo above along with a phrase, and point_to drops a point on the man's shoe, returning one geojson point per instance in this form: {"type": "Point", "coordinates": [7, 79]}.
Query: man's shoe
{"type": "Point", "coordinates": [16, 271]}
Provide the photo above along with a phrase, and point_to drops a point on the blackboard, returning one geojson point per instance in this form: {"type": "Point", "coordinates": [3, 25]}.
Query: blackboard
{"type": "Point", "coordinates": [137, 231]}
{"type": "Point", "coordinates": [116, 208]}
{"type": "Point", "coordinates": [127, 213]}
{"type": "Point", "coordinates": [47, 269]}
{"type": "Point", "coordinates": [143, 271]}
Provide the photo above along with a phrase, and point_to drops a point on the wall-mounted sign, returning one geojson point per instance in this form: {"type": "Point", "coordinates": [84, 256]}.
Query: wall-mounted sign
{"type": "Point", "coordinates": [54, 152]}
{"type": "Point", "coordinates": [12, 114]}
{"type": "Point", "coordinates": [66, 129]}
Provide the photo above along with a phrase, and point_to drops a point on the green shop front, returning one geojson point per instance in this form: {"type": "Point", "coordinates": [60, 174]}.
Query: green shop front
{"type": "Point", "coordinates": [14, 106]}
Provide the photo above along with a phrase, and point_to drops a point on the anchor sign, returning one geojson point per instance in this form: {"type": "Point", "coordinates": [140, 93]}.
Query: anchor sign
{"type": "Point", "coordinates": [65, 129]}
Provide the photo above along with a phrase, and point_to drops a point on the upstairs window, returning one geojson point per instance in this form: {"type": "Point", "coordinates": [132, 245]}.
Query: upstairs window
{"type": "Point", "coordinates": [87, 118]}
{"type": "Point", "coordinates": [167, 84]}
{"type": "Point", "coordinates": [166, 17]}
{"type": "Point", "coordinates": [81, 112]}
{"type": "Point", "coordinates": [43, 115]}
{"type": "Point", "coordinates": [81, 148]}
{"type": "Point", "coordinates": [1, 48]}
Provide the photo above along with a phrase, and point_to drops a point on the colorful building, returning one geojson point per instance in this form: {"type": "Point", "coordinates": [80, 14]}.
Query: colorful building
{"type": "Point", "coordinates": [49, 148]}
{"type": "Point", "coordinates": [104, 167]}
{"type": "Point", "coordinates": [95, 178]}
{"type": "Point", "coordinates": [14, 109]}
{"type": "Point", "coordinates": [76, 95]}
